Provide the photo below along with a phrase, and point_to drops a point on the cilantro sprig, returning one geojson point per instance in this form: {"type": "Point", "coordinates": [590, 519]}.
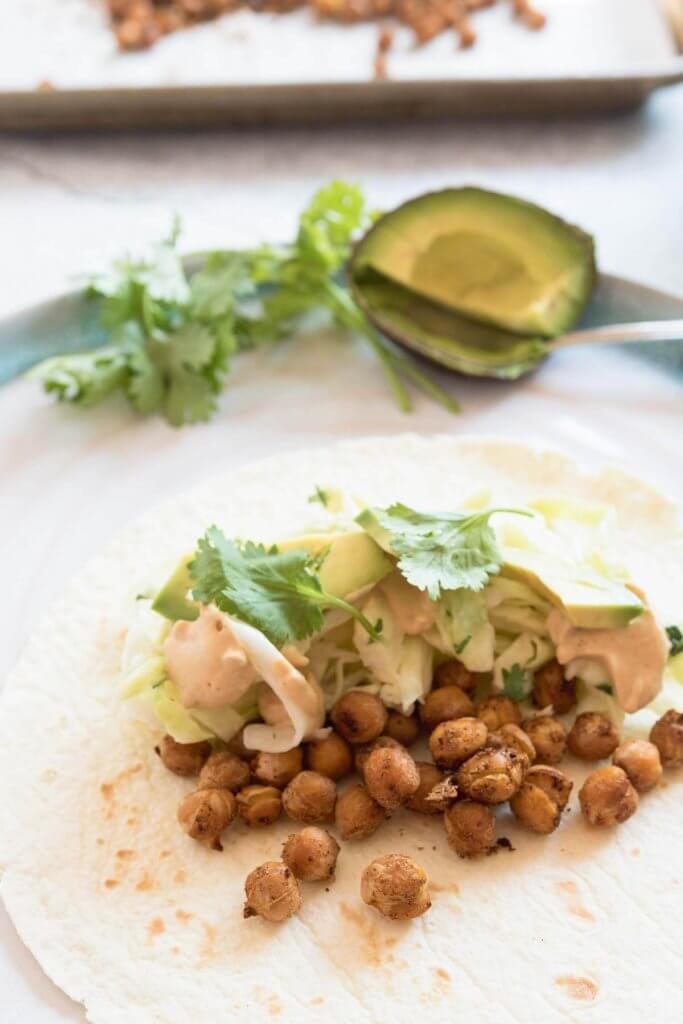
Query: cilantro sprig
{"type": "Point", "coordinates": [320, 497]}
{"type": "Point", "coordinates": [517, 683]}
{"type": "Point", "coordinates": [171, 332]}
{"type": "Point", "coordinates": [278, 592]}
{"type": "Point", "coordinates": [442, 552]}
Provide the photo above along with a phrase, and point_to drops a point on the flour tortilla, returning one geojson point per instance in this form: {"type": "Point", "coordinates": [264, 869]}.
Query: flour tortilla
{"type": "Point", "coordinates": [142, 925]}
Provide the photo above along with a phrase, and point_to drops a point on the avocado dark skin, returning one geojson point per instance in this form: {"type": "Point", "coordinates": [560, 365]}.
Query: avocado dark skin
{"type": "Point", "coordinates": [475, 280]}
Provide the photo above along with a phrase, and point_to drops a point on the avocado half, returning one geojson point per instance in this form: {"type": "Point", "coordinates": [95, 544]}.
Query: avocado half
{"type": "Point", "coordinates": [487, 257]}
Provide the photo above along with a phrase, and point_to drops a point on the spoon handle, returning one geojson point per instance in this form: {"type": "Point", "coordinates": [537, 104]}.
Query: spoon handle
{"type": "Point", "coordinates": [654, 330]}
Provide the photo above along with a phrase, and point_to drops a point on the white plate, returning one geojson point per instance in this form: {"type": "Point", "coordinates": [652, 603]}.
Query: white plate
{"type": "Point", "coordinates": [69, 480]}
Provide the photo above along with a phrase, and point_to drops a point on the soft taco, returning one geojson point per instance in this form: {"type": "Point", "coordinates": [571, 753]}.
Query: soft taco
{"type": "Point", "coordinates": [408, 654]}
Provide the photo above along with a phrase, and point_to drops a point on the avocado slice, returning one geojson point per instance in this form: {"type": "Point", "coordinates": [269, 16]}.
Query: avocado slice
{"type": "Point", "coordinates": [446, 337]}
{"type": "Point", "coordinates": [369, 522]}
{"type": "Point", "coordinates": [353, 561]}
{"type": "Point", "coordinates": [173, 601]}
{"type": "Point", "coordinates": [589, 600]}
{"type": "Point", "coordinates": [485, 255]}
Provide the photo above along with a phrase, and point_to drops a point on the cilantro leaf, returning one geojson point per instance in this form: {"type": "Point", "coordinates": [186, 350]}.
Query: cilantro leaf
{"type": "Point", "coordinates": [331, 498]}
{"type": "Point", "coordinates": [191, 347]}
{"type": "Point", "coordinates": [320, 496]}
{"type": "Point", "coordinates": [213, 287]}
{"type": "Point", "coordinates": [330, 222]}
{"type": "Point", "coordinates": [459, 648]}
{"type": "Point", "coordinates": [132, 285]}
{"type": "Point", "coordinates": [190, 398]}
{"type": "Point", "coordinates": [443, 552]}
{"type": "Point", "coordinates": [146, 382]}
{"type": "Point", "coordinates": [675, 636]}
{"type": "Point", "coordinates": [517, 684]}
{"type": "Point", "coordinates": [606, 688]}
{"type": "Point", "coordinates": [277, 592]}
{"type": "Point", "coordinates": [84, 378]}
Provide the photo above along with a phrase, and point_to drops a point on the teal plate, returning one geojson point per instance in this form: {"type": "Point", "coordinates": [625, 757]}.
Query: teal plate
{"type": "Point", "coordinates": [69, 323]}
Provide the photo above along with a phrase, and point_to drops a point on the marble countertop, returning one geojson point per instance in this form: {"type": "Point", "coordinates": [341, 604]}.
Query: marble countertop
{"type": "Point", "coordinates": [70, 204]}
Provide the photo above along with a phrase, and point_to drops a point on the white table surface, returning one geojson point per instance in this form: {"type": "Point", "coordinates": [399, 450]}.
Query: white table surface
{"type": "Point", "coordinates": [68, 480]}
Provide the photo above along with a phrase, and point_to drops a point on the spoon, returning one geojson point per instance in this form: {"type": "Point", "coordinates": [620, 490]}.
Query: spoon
{"type": "Point", "coordinates": [619, 311]}
{"type": "Point", "coordinates": [647, 330]}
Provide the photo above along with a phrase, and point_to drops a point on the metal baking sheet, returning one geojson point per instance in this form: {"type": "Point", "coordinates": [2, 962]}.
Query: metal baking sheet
{"type": "Point", "coordinates": [59, 67]}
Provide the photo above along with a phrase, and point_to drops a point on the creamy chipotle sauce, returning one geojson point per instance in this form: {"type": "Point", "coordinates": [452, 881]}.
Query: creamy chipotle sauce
{"type": "Point", "coordinates": [634, 657]}
{"type": "Point", "coordinates": [206, 661]}
{"type": "Point", "coordinates": [414, 612]}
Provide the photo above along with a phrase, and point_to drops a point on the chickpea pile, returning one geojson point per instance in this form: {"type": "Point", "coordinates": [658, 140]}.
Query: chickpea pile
{"type": "Point", "coordinates": [483, 756]}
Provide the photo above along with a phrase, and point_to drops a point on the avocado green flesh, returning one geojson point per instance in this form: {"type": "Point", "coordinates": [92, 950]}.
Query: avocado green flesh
{"type": "Point", "coordinates": [172, 601]}
{"type": "Point", "coordinates": [368, 521]}
{"type": "Point", "coordinates": [353, 561]}
{"type": "Point", "coordinates": [590, 601]}
{"type": "Point", "coordinates": [488, 256]}
{"type": "Point", "coordinates": [444, 336]}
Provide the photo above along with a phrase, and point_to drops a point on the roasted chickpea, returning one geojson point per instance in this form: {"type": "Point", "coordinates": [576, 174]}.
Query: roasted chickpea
{"type": "Point", "coordinates": [444, 705]}
{"type": "Point", "coordinates": [205, 813]}
{"type": "Point", "coordinates": [551, 689]}
{"type": "Point", "coordinates": [363, 753]}
{"type": "Point", "coordinates": [552, 781]}
{"type": "Point", "coordinates": [607, 797]}
{"type": "Point", "coordinates": [470, 828]}
{"type": "Point", "coordinates": [454, 673]}
{"type": "Point", "coordinates": [272, 892]}
{"type": "Point", "coordinates": [430, 776]}
{"type": "Point", "coordinates": [548, 736]}
{"type": "Point", "coordinates": [359, 717]}
{"type": "Point", "coordinates": [641, 762]}
{"type": "Point", "coordinates": [492, 776]}
{"type": "Point", "coordinates": [224, 770]}
{"type": "Point", "coordinates": [496, 711]}
{"type": "Point", "coordinates": [391, 776]}
{"type": "Point", "coordinates": [453, 742]}
{"type": "Point", "coordinates": [259, 805]}
{"type": "Point", "coordinates": [403, 728]}
{"type": "Point", "coordinates": [331, 756]}
{"type": "Point", "coordinates": [592, 737]}
{"type": "Point", "coordinates": [278, 769]}
{"type": "Point", "coordinates": [357, 815]}
{"type": "Point", "coordinates": [541, 798]}
{"type": "Point", "coordinates": [396, 886]}
{"type": "Point", "coordinates": [310, 797]}
{"type": "Point", "coordinates": [443, 794]}
{"type": "Point", "coordinates": [183, 758]}
{"type": "Point", "coordinates": [667, 736]}
{"type": "Point", "coordinates": [511, 735]}
{"type": "Point", "coordinates": [311, 855]}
